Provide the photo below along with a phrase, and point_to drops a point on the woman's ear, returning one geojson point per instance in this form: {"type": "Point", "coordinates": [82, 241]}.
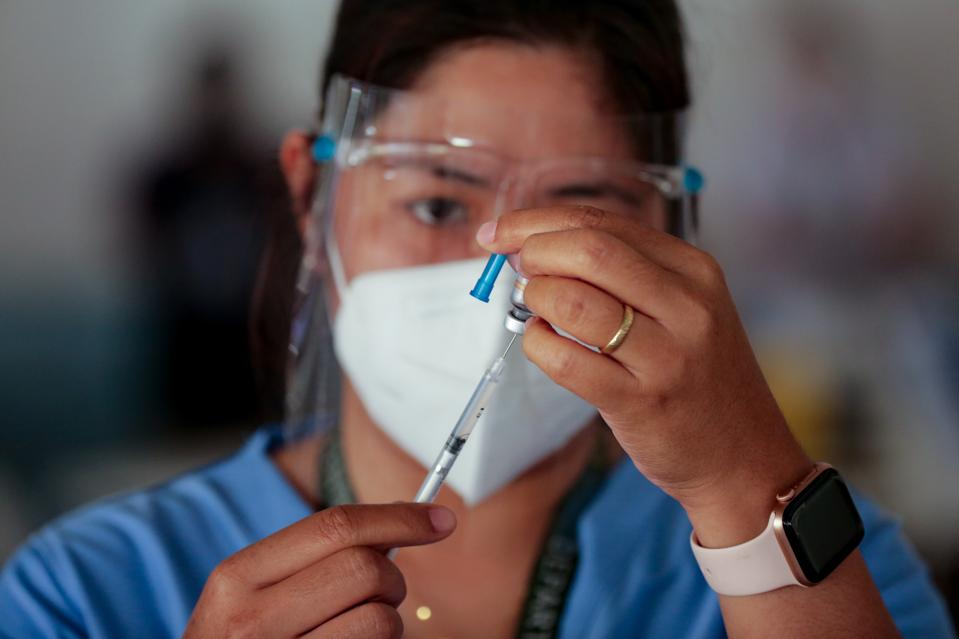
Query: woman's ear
{"type": "Point", "coordinates": [299, 171]}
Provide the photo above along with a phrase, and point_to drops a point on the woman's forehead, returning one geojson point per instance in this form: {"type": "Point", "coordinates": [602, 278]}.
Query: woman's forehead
{"type": "Point", "coordinates": [523, 102]}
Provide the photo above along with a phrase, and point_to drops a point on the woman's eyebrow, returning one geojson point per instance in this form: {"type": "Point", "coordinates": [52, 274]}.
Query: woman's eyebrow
{"type": "Point", "coordinates": [595, 188]}
{"type": "Point", "coordinates": [451, 173]}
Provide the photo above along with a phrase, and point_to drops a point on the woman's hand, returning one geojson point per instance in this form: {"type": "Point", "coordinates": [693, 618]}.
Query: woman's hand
{"type": "Point", "coordinates": [324, 576]}
{"type": "Point", "coordinates": [683, 394]}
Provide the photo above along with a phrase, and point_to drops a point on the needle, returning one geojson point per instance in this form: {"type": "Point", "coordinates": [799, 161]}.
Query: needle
{"type": "Point", "coordinates": [508, 346]}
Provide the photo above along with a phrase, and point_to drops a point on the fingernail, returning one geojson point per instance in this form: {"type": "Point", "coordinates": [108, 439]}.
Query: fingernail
{"type": "Point", "coordinates": [443, 519]}
{"type": "Point", "coordinates": [513, 259]}
{"type": "Point", "coordinates": [486, 232]}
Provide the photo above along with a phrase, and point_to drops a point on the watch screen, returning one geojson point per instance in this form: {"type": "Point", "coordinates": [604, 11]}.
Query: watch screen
{"type": "Point", "coordinates": [822, 525]}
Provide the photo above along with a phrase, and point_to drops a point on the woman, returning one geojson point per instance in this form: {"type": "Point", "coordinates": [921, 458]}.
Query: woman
{"type": "Point", "coordinates": [580, 531]}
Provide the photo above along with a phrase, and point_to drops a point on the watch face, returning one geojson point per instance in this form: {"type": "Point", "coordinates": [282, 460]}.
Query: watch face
{"type": "Point", "coordinates": [822, 525]}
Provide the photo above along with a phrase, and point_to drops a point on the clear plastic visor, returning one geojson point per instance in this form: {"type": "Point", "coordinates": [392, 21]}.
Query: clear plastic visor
{"type": "Point", "coordinates": [413, 176]}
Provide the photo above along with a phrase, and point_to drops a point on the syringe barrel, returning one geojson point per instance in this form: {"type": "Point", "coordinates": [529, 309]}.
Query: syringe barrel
{"type": "Point", "coordinates": [476, 405]}
{"type": "Point", "coordinates": [475, 408]}
{"type": "Point", "coordinates": [436, 476]}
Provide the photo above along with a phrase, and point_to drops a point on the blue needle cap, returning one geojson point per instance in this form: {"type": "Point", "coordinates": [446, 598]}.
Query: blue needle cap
{"type": "Point", "coordinates": [484, 285]}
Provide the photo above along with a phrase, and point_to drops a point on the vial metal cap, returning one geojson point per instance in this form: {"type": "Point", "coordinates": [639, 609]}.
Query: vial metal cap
{"type": "Point", "coordinates": [518, 295]}
{"type": "Point", "coordinates": [515, 321]}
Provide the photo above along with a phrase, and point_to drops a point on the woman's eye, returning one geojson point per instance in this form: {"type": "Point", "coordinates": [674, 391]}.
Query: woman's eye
{"type": "Point", "coordinates": [438, 211]}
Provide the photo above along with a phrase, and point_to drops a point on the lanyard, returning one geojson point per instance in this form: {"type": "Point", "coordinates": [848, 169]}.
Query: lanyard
{"type": "Point", "coordinates": [556, 565]}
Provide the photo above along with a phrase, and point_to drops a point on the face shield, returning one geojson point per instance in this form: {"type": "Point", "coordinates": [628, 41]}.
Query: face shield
{"type": "Point", "coordinates": [413, 176]}
{"type": "Point", "coordinates": [406, 178]}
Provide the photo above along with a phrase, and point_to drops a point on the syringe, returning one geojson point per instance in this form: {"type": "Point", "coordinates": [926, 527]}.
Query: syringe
{"type": "Point", "coordinates": [475, 408]}
{"type": "Point", "coordinates": [515, 322]}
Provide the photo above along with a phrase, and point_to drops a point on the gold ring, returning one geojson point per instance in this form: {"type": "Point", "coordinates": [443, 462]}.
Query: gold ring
{"type": "Point", "coordinates": [623, 331]}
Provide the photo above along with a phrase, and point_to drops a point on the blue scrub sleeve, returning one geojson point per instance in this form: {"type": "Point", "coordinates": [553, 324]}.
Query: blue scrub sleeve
{"type": "Point", "coordinates": [32, 601]}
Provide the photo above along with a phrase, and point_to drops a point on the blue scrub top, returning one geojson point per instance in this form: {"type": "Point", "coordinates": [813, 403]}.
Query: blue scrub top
{"type": "Point", "coordinates": [134, 565]}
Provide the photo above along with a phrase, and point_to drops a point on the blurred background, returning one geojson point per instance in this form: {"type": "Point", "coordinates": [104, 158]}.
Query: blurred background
{"type": "Point", "coordinates": [138, 183]}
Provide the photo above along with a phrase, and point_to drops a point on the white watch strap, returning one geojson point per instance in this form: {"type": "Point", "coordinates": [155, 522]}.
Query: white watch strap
{"type": "Point", "coordinates": [752, 567]}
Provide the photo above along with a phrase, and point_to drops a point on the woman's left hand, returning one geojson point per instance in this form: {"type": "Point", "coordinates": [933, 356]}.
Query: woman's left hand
{"type": "Point", "coordinates": [683, 394]}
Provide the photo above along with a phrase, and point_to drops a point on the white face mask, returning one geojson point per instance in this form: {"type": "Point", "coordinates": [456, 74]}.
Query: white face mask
{"type": "Point", "coordinates": [415, 345]}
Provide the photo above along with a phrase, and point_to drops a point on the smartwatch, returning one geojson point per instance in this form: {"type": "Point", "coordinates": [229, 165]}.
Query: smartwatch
{"type": "Point", "coordinates": [813, 528]}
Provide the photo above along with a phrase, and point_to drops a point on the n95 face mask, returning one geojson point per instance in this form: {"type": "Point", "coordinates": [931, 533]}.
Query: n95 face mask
{"type": "Point", "coordinates": [414, 345]}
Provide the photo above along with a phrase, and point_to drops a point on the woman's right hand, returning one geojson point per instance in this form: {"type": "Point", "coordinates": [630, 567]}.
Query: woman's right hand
{"type": "Point", "coordinates": [325, 576]}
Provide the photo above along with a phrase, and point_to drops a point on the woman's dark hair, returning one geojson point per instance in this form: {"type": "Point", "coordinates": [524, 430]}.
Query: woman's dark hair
{"type": "Point", "coordinates": [637, 44]}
